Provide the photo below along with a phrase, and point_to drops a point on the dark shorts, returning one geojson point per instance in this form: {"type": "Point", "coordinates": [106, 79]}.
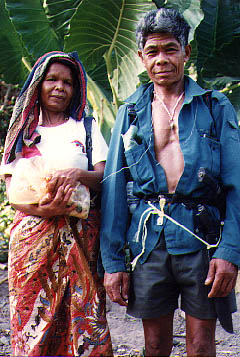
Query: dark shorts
{"type": "Point", "coordinates": [157, 284]}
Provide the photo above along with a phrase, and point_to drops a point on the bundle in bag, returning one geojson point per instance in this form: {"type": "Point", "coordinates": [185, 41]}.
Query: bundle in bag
{"type": "Point", "coordinates": [29, 185]}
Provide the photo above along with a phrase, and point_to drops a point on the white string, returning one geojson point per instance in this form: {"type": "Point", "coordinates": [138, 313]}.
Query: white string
{"type": "Point", "coordinates": [154, 210]}
{"type": "Point", "coordinates": [171, 115]}
{"type": "Point", "coordinates": [149, 211]}
{"type": "Point", "coordinates": [193, 127]}
{"type": "Point", "coordinates": [161, 213]}
{"type": "Point", "coordinates": [128, 167]}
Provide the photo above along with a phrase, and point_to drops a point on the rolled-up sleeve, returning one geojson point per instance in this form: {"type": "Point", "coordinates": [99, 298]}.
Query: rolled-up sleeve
{"type": "Point", "coordinates": [114, 202]}
{"type": "Point", "coordinates": [229, 134]}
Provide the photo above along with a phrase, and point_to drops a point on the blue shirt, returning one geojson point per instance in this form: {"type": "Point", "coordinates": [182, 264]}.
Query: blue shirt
{"type": "Point", "coordinates": [213, 144]}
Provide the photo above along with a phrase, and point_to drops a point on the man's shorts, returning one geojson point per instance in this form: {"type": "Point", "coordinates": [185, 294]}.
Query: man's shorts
{"type": "Point", "coordinates": [157, 284]}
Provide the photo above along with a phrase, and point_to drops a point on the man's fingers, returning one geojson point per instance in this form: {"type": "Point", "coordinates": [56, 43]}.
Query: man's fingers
{"type": "Point", "coordinates": [115, 284]}
{"type": "Point", "coordinates": [125, 286]}
{"type": "Point", "coordinates": [211, 274]}
{"type": "Point", "coordinates": [223, 276]}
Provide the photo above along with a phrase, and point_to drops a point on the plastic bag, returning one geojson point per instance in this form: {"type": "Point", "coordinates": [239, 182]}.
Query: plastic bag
{"type": "Point", "coordinates": [29, 185]}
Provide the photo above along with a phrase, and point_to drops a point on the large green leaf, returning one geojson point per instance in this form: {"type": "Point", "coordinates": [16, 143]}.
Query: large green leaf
{"type": "Point", "coordinates": [224, 62]}
{"type": "Point", "coordinates": [31, 22]}
{"type": "Point", "coordinates": [107, 28]}
{"type": "Point", "coordinates": [12, 50]}
{"type": "Point", "coordinates": [59, 13]}
{"type": "Point", "coordinates": [102, 108]}
{"type": "Point", "coordinates": [218, 28]}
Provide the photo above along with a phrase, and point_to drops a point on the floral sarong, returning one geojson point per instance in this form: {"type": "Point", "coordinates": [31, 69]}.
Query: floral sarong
{"type": "Point", "coordinates": [57, 300]}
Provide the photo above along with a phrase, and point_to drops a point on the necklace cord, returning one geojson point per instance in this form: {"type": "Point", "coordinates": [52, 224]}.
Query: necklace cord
{"type": "Point", "coordinates": [171, 115]}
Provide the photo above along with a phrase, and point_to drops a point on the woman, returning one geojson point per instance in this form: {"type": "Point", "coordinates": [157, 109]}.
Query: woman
{"type": "Point", "coordinates": [57, 301]}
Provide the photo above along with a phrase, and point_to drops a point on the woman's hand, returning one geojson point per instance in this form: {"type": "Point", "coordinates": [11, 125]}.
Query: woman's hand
{"type": "Point", "coordinates": [63, 178]}
{"type": "Point", "coordinates": [58, 205]}
{"type": "Point", "coordinates": [50, 206]}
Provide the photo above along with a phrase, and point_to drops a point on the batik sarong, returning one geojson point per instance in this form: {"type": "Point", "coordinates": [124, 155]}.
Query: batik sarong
{"type": "Point", "coordinates": [57, 300]}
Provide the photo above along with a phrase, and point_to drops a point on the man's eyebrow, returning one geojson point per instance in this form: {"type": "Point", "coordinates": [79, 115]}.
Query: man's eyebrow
{"type": "Point", "coordinates": [167, 44]}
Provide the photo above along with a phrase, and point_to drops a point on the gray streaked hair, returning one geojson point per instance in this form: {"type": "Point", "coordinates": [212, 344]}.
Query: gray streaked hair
{"type": "Point", "coordinates": [162, 20]}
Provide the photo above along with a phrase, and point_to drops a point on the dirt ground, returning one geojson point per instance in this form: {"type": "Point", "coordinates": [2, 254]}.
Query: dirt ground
{"type": "Point", "coordinates": [127, 332]}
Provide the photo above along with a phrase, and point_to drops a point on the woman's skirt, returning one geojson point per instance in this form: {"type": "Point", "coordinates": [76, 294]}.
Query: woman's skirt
{"type": "Point", "coordinates": [57, 300]}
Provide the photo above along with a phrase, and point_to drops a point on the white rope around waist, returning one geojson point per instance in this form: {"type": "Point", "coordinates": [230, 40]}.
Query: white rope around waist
{"type": "Point", "coordinates": [160, 212]}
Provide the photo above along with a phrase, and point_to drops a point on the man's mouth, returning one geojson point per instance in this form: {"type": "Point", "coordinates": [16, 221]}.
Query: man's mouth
{"type": "Point", "coordinates": [162, 73]}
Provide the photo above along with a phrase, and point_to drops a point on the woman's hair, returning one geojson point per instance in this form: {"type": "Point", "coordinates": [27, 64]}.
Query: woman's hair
{"type": "Point", "coordinates": [23, 124]}
{"type": "Point", "coordinates": [162, 21]}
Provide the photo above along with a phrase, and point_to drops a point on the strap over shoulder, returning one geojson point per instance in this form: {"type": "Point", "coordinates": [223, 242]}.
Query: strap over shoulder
{"type": "Point", "coordinates": [88, 128]}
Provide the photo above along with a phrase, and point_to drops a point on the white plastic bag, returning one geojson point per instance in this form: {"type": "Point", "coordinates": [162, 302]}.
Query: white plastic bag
{"type": "Point", "coordinates": [29, 185]}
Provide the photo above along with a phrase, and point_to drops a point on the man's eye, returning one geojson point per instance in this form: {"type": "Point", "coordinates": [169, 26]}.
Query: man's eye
{"type": "Point", "coordinates": [151, 53]}
{"type": "Point", "coordinates": [171, 50]}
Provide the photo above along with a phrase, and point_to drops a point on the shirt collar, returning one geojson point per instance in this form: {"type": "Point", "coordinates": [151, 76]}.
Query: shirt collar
{"type": "Point", "coordinates": [144, 93]}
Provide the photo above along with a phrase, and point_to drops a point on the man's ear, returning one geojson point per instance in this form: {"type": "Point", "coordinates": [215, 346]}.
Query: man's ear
{"type": "Point", "coordinates": [140, 54]}
{"type": "Point", "coordinates": [188, 50]}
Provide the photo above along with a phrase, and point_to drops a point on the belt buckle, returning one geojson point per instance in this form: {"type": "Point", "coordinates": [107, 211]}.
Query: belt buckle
{"type": "Point", "coordinates": [162, 202]}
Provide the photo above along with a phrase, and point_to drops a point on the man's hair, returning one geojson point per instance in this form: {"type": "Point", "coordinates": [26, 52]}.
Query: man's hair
{"type": "Point", "coordinates": [162, 20]}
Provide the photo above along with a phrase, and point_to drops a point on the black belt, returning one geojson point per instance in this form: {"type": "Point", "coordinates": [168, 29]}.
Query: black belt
{"type": "Point", "coordinates": [176, 198]}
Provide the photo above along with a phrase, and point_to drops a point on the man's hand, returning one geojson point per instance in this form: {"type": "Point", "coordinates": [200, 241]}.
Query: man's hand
{"type": "Point", "coordinates": [223, 276]}
{"type": "Point", "coordinates": [117, 285]}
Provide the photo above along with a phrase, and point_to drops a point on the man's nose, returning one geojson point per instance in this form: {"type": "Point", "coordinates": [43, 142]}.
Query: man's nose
{"type": "Point", "coordinates": [161, 58]}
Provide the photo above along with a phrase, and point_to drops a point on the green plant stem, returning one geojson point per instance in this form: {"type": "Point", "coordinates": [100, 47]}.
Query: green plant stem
{"type": "Point", "coordinates": [108, 60]}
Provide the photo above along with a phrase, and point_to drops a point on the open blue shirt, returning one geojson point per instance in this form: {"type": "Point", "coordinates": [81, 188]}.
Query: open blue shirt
{"type": "Point", "coordinates": [213, 144]}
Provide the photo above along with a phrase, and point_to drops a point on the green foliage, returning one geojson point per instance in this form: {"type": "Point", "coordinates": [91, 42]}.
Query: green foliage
{"type": "Point", "coordinates": [8, 95]}
{"type": "Point", "coordinates": [6, 217]}
{"type": "Point", "coordinates": [103, 33]}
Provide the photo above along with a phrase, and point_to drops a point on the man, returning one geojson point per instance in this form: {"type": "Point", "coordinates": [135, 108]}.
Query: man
{"type": "Point", "coordinates": [172, 130]}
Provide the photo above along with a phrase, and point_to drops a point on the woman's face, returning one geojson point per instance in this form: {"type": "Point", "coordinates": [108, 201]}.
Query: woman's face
{"type": "Point", "coordinates": [57, 88]}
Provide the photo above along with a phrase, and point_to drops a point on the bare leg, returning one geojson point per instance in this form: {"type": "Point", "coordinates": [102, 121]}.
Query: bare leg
{"type": "Point", "coordinates": [158, 336]}
{"type": "Point", "coordinates": [200, 337]}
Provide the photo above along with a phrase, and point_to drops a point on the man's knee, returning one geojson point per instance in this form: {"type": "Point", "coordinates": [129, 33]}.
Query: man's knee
{"type": "Point", "coordinates": [158, 335]}
{"type": "Point", "coordinates": [200, 337]}
{"type": "Point", "coordinates": [201, 348]}
{"type": "Point", "coordinates": [161, 347]}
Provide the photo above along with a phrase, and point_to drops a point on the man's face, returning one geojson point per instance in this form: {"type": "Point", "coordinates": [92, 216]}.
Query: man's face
{"type": "Point", "coordinates": [164, 59]}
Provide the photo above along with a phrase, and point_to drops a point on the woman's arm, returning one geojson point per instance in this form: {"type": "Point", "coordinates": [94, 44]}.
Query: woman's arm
{"type": "Point", "coordinates": [71, 177]}
{"type": "Point", "coordinates": [60, 187]}
{"type": "Point", "coordinates": [50, 206]}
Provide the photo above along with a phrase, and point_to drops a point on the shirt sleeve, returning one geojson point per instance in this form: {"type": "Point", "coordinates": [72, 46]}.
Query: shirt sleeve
{"type": "Point", "coordinates": [100, 148]}
{"type": "Point", "coordinates": [229, 134]}
{"type": "Point", "coordinates": [114, 211]}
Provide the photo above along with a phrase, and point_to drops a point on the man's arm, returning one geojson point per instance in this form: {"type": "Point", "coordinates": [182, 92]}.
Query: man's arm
{"type": "Point", "coordinates": [114, 214]}
{"type": "Point", "coordinates": [223, 267]}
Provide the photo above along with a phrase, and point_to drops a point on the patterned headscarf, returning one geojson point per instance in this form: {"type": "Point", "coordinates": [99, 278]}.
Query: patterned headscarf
{"type": "Point", "coordinates": [25, 117]}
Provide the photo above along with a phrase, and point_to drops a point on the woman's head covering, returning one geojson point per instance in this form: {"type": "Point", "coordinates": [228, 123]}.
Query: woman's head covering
{"type": "Point", "coordinates": [25, 115]}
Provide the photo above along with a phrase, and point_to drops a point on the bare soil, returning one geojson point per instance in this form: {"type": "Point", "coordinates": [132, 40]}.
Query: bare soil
{"type": "Point", "coordinates": [127, 332]}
